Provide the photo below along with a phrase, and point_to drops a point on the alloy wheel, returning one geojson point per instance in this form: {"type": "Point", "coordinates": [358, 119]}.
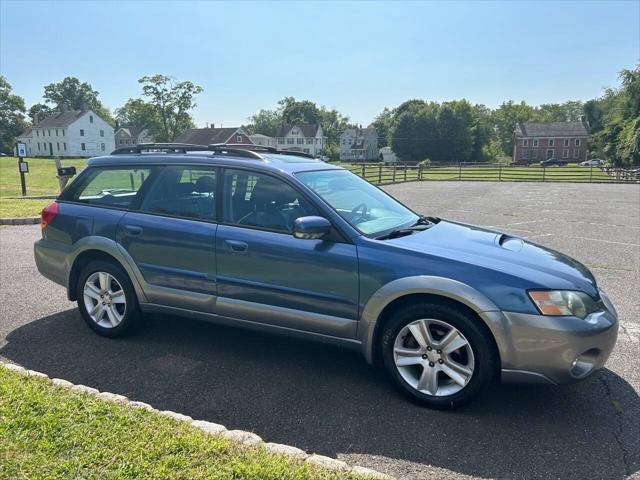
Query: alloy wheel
{"type": "Point", "coordinates": [433, 357]}
{"type": "Point", "coordinates": [104, 299]}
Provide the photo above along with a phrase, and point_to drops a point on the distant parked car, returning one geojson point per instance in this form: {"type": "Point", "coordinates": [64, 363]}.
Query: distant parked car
{"type": "Point", "coordinates": [594, 162]}
{"type": "Point", "coordinates": [2, 154]}
{"type": "Point", "coordinates": [553, 162]}
{"type": "Point", "coordinates": [523, 162]}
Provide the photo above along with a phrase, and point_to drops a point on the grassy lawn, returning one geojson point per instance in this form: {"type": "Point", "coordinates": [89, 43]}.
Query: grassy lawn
{"type": "Point", "coordinates": [51, 432]}
{"type": "Point", "coordinates": [41, 179]}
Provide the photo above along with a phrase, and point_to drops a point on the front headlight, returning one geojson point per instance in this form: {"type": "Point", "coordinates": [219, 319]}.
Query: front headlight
{"type": "Point", "coordinates": [564, 303]}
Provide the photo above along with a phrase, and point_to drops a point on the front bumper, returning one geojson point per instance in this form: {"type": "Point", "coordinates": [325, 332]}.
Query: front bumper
{"type": "Point", "coordinates": [548, 349]}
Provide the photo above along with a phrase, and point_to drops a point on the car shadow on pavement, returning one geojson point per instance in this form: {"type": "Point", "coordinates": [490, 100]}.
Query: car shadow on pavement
{"type": "Point", "coordinates": [327, 400]}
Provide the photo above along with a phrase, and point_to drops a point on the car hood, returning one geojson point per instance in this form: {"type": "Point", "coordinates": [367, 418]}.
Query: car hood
{"type": "Point", "coordinates": [543, 267]}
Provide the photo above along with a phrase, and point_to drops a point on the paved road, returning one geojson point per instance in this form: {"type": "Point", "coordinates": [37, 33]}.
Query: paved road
{"type": "Point", "coordinates": [327, 400]}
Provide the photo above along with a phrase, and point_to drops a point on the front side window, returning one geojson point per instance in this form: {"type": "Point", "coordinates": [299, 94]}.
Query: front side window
{"type": "Point", "coordinates": [551, 142]}
{"type": "Point", "coordinates": [83, 147]}
{"type": "Point", "coordinates": [257, 200]}
{"type": "Point", "coordinates": [565, 153]}
{"type": "Point", "coordinates": [525, 143]}
{"type": "Point", "coordinates": [364, 206]}
{"type": "Point", "coordinates": [115, 187]}
{"type": "Point", "coordinates": [102, 133]}
{"type": "Point", "coordinates": [566, 142]}
{"type": "Point", "coordinates": [183, 191]}
{"type": "Point", "coordinates": [81, 132]}
{"type": "Point", "coordinates": [535, 142]}
{"type": "Point", "coordinates": [577, 144]}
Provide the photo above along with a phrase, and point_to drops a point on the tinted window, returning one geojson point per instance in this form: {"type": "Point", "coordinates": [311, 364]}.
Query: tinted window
{"type": "Point", "coordinates": [114, 186]}
{"type": "Point", "coordinates": [183, 191]}
{"type": "Point", "coordinates": [258, 200]}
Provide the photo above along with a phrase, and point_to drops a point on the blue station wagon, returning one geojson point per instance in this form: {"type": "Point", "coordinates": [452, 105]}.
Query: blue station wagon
{"type": "Point", "coordinates": [282, 242]}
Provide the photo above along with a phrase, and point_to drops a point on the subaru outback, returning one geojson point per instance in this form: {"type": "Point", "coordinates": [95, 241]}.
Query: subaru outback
{"type": "Point", "coordinates": [281, 242]}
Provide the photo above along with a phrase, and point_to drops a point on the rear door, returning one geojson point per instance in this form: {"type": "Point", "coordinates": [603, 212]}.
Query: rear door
{"type": "Point", "coordinates": [171, 238]}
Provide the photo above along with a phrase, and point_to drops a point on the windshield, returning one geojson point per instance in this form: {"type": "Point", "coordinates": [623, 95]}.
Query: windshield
{"type": "Point", "coordinates": [364, 206]}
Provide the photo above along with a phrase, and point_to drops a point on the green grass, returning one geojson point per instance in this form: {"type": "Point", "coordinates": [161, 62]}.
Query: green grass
{"type": "Point", "coordinates": [41, 179]}
{"type": "Point", "coordinates": [51, 432]}
{"type": "Point", "coordinates": [11, 208]}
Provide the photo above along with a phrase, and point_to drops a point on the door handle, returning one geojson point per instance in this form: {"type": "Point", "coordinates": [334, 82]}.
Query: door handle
{"type": "Point", "coordinates": [234, 246]}
{"type": "Point", "coordinates": [132, 229]}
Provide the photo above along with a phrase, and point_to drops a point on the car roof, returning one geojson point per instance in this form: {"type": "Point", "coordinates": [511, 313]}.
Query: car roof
{"type": "Point", "coordinates": [269, 161]}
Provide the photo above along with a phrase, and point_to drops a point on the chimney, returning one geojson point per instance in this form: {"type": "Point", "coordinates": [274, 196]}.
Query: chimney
{"type": "Point", "coordinates": [63, 107]}
{"type": "Point", "coordinates": [84, 107]}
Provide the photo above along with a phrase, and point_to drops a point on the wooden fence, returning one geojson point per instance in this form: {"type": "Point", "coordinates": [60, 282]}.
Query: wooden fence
{"type": "Point", "coordinates": [380, 173]}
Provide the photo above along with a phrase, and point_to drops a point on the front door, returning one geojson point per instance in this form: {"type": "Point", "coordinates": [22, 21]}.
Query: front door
{"type": "Point", "coordinates": [267, 275]}
{"type": "Point", "coordinates": [172, 238]}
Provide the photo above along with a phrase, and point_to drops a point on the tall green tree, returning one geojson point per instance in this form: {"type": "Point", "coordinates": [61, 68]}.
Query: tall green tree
{"type": "Point", "coordinates": [505, 118]}
{"type": "Point", "coordinates": [39, 110]}
{"type": "Point", "coordinates": [76, 95]}
{"type": "Point", "coordinates": [172, 102]}
{"type": "Point", "coordinates": [139, 113]}
{"type": "Point", "coordinates": [265, 122]}
{"type": "Point", "coordinates": [12, 119]}
{"type": "Point", "coordinates": [383, 124]}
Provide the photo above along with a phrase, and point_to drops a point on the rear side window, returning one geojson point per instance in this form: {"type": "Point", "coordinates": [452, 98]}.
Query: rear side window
{"type": "Point", "coordinates": [183, 191]}
{"type": "Point", "coordinates": [116, 187]}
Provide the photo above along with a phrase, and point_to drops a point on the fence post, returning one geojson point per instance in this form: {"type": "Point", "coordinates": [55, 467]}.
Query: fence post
{"type": "Point", "coordinates": [405, 172]}
{"type": "Point", "coordinates": [459, 170]}
{"type": "Point", "coordinates": [419, 172]}
{"type": "Point", "coordinates": [380, 174]}
{"type": "Point", "coordinates": [363, 170]}
{"type": "Point", "coordinates": [591, 173]}
{"type": "Point", "coordinates": [394, 173]}
{"type": "Point", "coordinates": [499, 172]}
{"type": "Point", "coordinates": [544, 169]}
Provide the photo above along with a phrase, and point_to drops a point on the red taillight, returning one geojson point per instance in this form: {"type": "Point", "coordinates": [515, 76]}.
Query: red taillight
{"type": "Point", "coordinates": [48, 213]}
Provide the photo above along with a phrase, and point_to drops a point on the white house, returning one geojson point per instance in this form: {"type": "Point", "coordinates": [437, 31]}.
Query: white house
{"type": "Point", "coordinates": [263, 140]}
{"type": "Point", "coordinates": [359, 144]}
{"type": "Point", "coordinates": [302, 137]}
{"type": "Point", "coordinates": [128, 135]}
{"type": "Point", "coordinates": [71, 133]}
{"type": "Point", "coordinates": [387, 155]}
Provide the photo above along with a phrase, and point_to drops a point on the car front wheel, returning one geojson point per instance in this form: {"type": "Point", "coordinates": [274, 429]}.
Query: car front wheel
{"type": "Point", "coordinates": [438, 355]}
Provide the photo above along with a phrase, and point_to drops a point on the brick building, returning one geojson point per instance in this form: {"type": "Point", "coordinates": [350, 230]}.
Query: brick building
{"type": "Point", "coordinates": [559, 140]}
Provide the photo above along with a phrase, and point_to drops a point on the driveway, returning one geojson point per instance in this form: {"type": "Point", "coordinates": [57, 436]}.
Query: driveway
{"type": "Point", "coordinates": [328, 400]}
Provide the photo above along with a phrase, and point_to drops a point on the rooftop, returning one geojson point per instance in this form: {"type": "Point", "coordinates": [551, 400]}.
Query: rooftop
{"type": "Point", "coordinates": [552, 129]}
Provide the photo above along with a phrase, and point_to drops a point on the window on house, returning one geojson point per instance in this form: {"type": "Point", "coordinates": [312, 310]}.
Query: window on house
{"type": "Point", "coordinates": [565, 153]}
{"type": "Point", "coordinates": [289, 141]}
{"type": "Point", "coordinates": [81, 133]}
{"type": "Point", "coordinates": [121, 141]}
{"type": "Point", "coordinates": [551, 142]}
{"type": "Point", "coordinates": [576, 153]}
{"type": "Point", "coordinates": [300, 141]}
{"type": "Point", "coordinates": [38, 145]}
{"type": "Point", "coordinates": [577, 143]}
{"type": "Point", "coordinates": [525, 142]}
{"type": "Point", "coordinates": [90, 118]}
{"type": "Point", "coordinates": [58, 145]}
{"type": "Point", "coordinates": [239, 138]}
{"type": "Point", "coordinates": [535, 142]}
{"type": "Point", "coordinates": [534, 154]}
{"type": "Point", "coordinates": [550, 154]}
{"type": "Point", "coordinates": [49, 132]}
{"type": "Point", "coordinates": [56, 132]}
{"type": "Point", "coordinates": [524, 153]}
{"type": "Point", "coordinates": [309, 141]}
{"type": "Point", "coordinates": [566, 142]}
{"type": "Point", "coordinates": [65, 145]}
{"type": "Point", "coordinates": [102, 133]}
{"type": "Point", "coordinates": [37, 133]}
{"type": "Point", "coordinates": [83, 147]}
{"type": "Point", "coordinates": [102, 147]}
{"type": "Point", "coordinates": [63, 132]}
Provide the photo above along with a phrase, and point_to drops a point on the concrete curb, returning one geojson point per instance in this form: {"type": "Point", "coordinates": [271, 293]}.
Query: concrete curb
{"type": "Point", "coordinates": [246, 439]}
{"type": "Point", "coordinates": [20, 221]}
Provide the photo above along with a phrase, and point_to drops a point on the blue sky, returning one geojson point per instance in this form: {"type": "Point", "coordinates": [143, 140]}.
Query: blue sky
{"type": "Point", "coordinates": [354, 56]}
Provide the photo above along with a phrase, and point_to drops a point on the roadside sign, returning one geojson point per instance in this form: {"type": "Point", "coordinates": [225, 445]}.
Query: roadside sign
{"type": "Point", "coordinates": [22, 149]}
{"type": "Point", "coordinates": [24, 167]}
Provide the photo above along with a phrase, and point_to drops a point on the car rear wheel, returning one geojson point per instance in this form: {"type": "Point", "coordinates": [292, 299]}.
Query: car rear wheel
{"type": "Point", "coordinates": [107, 300]}
{"type": "Point", "coordinates": [437, 355]}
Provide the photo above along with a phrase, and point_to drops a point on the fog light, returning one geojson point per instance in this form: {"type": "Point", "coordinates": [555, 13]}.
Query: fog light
{"type": "Point", "coordinates": [584, 363]}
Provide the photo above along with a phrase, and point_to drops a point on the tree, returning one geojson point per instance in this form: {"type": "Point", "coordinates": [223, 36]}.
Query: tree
{"type": "Point", "coordinates": [77, 96]}
{"type": "Point", "coordinates": [505, 118]}
{"type": "Point", "coordinates": [39, 110]}
{"type": "Point", "coordinates": [12, 121]}
{"type": "Point", "coordinates": [294, 111]}
{"type": "Point", "coordinates": [172, 102]}
{"type": "Point", "coordinates": [265, 122]}
{"type": "Point", "coordinates": [383, 124]}
{"type": "Point", "coordinates": [139, 113]}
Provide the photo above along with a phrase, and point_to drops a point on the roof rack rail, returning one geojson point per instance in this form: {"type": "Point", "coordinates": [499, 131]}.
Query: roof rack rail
{"type": "Point", "coordinates": [263, 148]}
{"type": "Point", "coordinates": [163, 147]}
{"type": "Point", "coordinates": [224, 149]}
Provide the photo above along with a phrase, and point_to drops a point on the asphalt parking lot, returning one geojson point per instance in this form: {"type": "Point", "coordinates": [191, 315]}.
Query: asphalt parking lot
{"type": "Point", "coordinates": [328, 400]}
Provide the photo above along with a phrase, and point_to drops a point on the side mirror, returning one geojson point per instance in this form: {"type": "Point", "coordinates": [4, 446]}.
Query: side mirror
{"type": "Point", "coordinates": [311, 228]}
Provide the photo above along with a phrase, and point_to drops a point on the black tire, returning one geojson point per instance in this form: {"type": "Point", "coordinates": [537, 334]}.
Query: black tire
{"type": "Point", "coordinates": [481, 343]}
{"type": "Point", "coordinates": [131, 319]}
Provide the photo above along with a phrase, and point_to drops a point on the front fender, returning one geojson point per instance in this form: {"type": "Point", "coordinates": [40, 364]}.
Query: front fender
{"type": "Point", "coordinates": [444, 287]}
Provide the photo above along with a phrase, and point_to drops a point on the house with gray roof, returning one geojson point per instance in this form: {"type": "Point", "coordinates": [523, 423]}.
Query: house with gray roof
{"type": "Point", "coordinates": [127, 135]}
{"type": "Point", "coordinates": [551, 140]}
{"type": "Point", "coordinates": [301, 137]}
{"type": "Point", "coordinates": [212, 135]}
{"type": "Point", "coordinates": [359, 144]}
{"type": "Point", "coordinates": [70, 133]}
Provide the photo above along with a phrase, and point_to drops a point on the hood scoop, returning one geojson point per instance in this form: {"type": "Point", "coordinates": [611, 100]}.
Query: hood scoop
{"type": "Point", "coordinates": [510, 243]}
